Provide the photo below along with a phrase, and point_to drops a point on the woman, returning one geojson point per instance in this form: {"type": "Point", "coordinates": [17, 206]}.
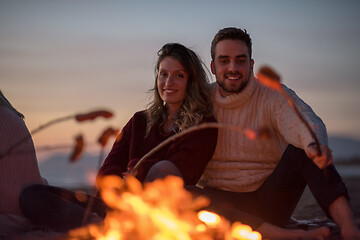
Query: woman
{"type": "Point", "coordinates": [181, 99]}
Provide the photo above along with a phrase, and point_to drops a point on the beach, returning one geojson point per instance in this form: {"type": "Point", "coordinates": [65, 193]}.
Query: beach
{"type": "Point", "coordinates": [309, 212]}
{"type": "Point", "coordinates": [310, 215]}
{"type": "Point", "coordinates": [309, 209]}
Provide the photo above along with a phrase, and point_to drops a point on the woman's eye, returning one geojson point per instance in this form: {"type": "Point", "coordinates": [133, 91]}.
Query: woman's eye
{"type": "Point", "coordinates": [163, 74]}
{"type": "Point", "coordinates": [180, 75]}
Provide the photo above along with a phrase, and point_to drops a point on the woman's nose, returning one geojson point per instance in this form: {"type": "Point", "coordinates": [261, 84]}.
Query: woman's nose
{"type": "Point", "coordinates": [169, 80]}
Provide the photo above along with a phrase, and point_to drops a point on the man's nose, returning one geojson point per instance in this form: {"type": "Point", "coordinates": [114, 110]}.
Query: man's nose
{"type": "Point", "coordinates": [233, 66]}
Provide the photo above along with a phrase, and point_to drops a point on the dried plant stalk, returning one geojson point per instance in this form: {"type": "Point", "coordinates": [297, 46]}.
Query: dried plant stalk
{"type": "Point", "coordinates": [268, 77]}
{"type": "Point", "coordinates": [78, 148]}
{"type": "Point", "coordinates": [78, 117]}
{"type": "Point", "coordinates": [93, 115]}
{"type": "Point", "coordinates": [102, 140]}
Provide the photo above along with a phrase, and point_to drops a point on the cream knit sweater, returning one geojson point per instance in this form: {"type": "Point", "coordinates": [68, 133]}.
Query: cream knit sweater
{"type": "Point", "coordinates": [242, 165]}
{"type": "Point", "coordinates": [18, 168]}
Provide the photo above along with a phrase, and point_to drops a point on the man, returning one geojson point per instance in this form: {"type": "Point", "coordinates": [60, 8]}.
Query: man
{"type": "Point", "coordinates": [17, 169]}
{"type": "Point", "coordinates": [266, 177]}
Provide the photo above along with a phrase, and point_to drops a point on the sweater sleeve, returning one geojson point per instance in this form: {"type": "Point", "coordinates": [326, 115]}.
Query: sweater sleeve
{"type": "Point", "coordinates": [190, 153]}
{"type": "Point", "coordinates": [117, 160]}
{"type": "Point", "coordinates": [290, 125]}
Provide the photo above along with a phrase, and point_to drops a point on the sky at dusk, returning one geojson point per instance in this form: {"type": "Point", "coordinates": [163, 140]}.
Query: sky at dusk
{"type": "Point", "coordinates": [70, 56]}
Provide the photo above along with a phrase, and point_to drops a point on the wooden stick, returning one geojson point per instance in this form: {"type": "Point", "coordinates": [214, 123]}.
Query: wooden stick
{"type": "Point", "coordinates": [182, 133]}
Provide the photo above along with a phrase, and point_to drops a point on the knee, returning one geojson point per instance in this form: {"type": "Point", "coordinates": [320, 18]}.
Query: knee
{"type": "Point", "coordinates": [31, 191]}
{"type": "Point", "coordinates": [161, 170]}
{"type": "Point", "coordinates": [29, 196]}
{"type": "Point", "coordinates": [292, 150]}
{"type": "Point", "coordinates": [295, 157]}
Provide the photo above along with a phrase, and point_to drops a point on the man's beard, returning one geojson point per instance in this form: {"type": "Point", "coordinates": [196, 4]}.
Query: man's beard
{"type": "Point", "coordinates": [239, 89]}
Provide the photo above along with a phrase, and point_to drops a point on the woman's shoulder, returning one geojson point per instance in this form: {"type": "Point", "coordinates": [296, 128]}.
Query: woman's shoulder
{"type": "Point", "coordinates": [140, 115]}
{"type": "Point", "coordinates": [140, 118]}
{"type": "Point", "coordinates": [136, 124]}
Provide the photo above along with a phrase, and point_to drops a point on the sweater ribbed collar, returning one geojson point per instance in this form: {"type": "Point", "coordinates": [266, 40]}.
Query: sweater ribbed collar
{"type": "Point", "coordinates": [235, 100]}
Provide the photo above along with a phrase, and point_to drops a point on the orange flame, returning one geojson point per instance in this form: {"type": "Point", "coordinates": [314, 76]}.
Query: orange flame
{"type": "Point", "coordinates": [241, 231]}
{"type": "Point", "coordinates": [211, 219]}
{"type": "Point", "coordinates": [159, 210]}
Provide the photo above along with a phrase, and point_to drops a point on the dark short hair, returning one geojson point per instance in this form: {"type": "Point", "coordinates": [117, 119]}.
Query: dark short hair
{"type": "Point", "coordinates": [231, 33]}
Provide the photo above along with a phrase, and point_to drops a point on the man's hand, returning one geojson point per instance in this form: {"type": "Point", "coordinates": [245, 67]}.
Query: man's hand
{"type": "Point", "coordinates": [322, 161]}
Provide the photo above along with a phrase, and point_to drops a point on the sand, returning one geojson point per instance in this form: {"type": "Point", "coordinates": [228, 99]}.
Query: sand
{"type": "Point", "coordinates": [311, 214]}
{"type": "Point", "coordinates": [309, 209]}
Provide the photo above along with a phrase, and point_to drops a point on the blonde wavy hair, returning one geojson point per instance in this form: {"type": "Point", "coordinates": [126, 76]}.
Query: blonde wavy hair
{"type": "Point", "coordinates": [197, 102]}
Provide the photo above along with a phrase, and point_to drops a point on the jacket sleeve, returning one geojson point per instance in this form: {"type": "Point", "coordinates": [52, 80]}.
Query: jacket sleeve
{"type": "Point", "coordinates": [193, 152]}
{"type": "Point", "coordinates": [190, 153]}
{"type": "Point", "coordinates": [117, 160]}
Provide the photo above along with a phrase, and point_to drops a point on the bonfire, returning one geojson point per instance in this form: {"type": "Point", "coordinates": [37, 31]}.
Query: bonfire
{"type": "Point", "coordinates": [159, 210]}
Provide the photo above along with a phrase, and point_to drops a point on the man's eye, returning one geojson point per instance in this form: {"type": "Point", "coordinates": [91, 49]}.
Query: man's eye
{"type": "Point", "coordinates": [241, 61]}
{"type": "Point", "coordinates": [223, 61]}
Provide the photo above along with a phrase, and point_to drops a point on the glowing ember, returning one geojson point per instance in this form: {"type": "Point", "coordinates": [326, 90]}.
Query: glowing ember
{"type": "Point", "coordinates": [160, 210]}
{"type": "Point", "coordinates": [211, 219]}
{"type": "Point", "coordinates": [260, 133]}
{"type": "Point", "coordinates": [241, 231]}
{"type": "Point", "coordinates": [251, 134]}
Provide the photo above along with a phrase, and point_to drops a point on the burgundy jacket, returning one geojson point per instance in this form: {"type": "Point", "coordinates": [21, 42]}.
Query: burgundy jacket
{"type": "Point", "coordinates": [190, 153]}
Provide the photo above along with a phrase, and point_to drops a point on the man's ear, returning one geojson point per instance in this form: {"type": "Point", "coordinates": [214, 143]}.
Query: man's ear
{"type": "Point", "coordinates": [212, 66]}
{"type": "Point", "coordinates": [252, 66]}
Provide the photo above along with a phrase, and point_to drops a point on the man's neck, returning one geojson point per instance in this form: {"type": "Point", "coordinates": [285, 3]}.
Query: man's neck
{"type": "Point", "coordinates": [224, 93]}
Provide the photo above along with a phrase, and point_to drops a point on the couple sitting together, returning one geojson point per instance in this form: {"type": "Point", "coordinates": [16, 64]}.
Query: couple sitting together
{"type": "Point", "coordinates": [257, 182]}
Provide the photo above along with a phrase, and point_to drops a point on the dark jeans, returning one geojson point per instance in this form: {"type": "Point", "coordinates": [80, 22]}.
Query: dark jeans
{"type": "Point", "coordinates": [275, 201]}
{"type": "Point", "coordinates": [60, 209]}
{"type": "Point", "coordinates": [57, 208]}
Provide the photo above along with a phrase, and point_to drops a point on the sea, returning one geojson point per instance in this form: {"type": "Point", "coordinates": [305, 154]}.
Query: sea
{"type": "Point", "coordinates": [59, 171]}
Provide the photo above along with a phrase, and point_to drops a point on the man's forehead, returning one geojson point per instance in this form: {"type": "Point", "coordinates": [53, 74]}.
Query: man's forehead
{"type": "Point", "coordinates": [231, 48]}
